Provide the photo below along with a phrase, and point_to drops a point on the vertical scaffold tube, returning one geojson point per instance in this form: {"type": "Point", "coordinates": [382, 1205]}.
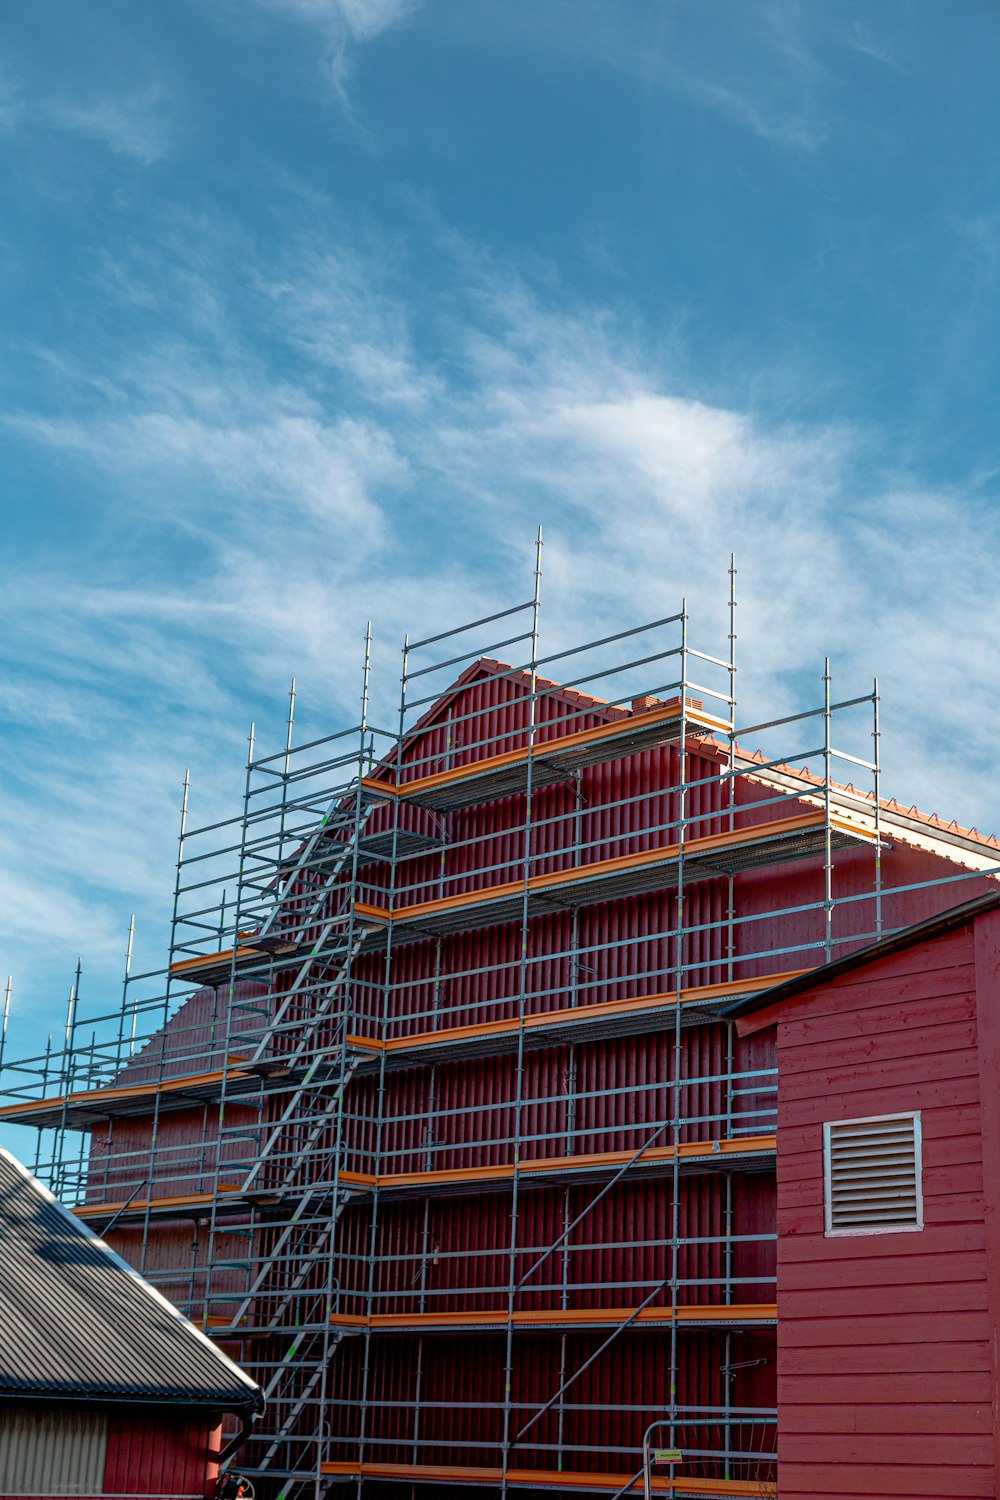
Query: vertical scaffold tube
{"type": "Point", "coordinates": [877, 789]}
{"type": "Point", "coordinates": [523, 989]}
{"type": "Point", "coordinates": [676, 1082]}
{"type": "Point", "coordinates": [827, 808]}
{"type": "Point", "coordinates": [383, 1028]}
{"type": "Point", "coordinates": [161, 1061]}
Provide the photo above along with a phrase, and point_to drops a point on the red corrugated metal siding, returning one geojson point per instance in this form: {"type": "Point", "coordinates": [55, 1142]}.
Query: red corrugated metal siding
{"type": "Point", "coordinates": [623, 953]}
{"type": "Point", "coordinates": [612, 809]}
{"type": "Point", "coordinates": [194, 1037]}
{"type": "Point", "coordinates": [766, 901]}
{"type": "Point", "coordinates": [353, 1244]}
{"type": "Point", "coordinates": [453, 1258]}
{"type": "Point", "coordinates": [185, 1159]}
{"type": "Point", "coordinates": [599, 1096]}
{"type": "Point", "coordinates": [885, 1343]}
{"type": "Point", "coordinates": [175, 1258]}
{"type": "Point", "coordinates": [451, 1254]}
{"type": "Point", "coordinates": [162, 1455]}
{"type": "Point", "coordinates": [461, 1397]}
{"type": "Point", "coordinates": [489, 716]}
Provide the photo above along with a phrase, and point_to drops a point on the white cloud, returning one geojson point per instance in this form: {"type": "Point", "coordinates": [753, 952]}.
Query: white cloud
{"type": "Point", "coordinates": [137, 125]}
{"type": "Point", "coordinates": [288, 462]}
{"type": "Point", "coordinates": [329, 309]}
{"type": "Point", "coordinates": [267, 506]}
{"type": "Point", "coordinates": [752, 63]}
{"type": "Point", "coordinates": [861, 38]}
{"type": "Point", "coordinates": [361, 20]}
{"type": "Point", "coordinates": [343, 26]}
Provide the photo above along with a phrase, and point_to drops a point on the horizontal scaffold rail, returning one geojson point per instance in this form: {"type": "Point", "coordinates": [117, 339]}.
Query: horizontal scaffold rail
{"type": "Point", "coordinates": [582, 1023]}
{"type": "Point", "coordinates": [751, 1153]}
{"type": "Point", "coordinates": [744, 1153]}
{"type": "Point", "coordinates": [506, 775]}
{"type": "Point", "coordinates": [705, 858]}
{"type": "Point", "coordinates": [708, 1315]}
{"type": "Point", "coordinates": [595, 1021]}
{"type": "Point", "coordinates": [714, 855]}
{"type": "Point", "coordinates": [540, 1479]}
{"type": "Point", "coordinates": [231, 1198]}
{"type": "Point", "coordinates": [90, 1107]}
{"type": "Point", "coordinates": [258, 956]}
{"type": "Point", "coordinates": [220, 964]}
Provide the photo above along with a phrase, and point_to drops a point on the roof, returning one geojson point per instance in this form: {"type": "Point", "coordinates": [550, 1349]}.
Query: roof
{"type": "Point", "coordinates": [486, 667]}
{"type": "Point", "coordinates": [77, 1323]}
{"type": "Point", "coordinates": [892, 812]}
{"type": "Point", "coordinates": [947, 838]}
{"type": "Point", "coordinates": [950, 840]}
{"type": "Point", "coordinates": [907, 937]}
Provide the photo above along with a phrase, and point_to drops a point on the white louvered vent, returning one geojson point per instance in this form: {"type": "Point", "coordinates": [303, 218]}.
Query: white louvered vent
{"type": "Point", "coordinates": [872, 1172]}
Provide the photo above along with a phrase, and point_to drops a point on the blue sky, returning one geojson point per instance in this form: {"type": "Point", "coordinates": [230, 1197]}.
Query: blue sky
{"type": "Point", "coordinates": [314, 309]}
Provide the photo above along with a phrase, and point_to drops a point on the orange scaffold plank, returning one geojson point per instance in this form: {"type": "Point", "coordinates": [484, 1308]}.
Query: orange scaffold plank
{"type": "Point", "coordinates": [123, 1093]}
{"type": "Point", "coordinates": [590, 1317]}
{"type": "Point", "coordinates": [214, 966]}
{"type": "Point", "coordinates": [534, 1478]}
{"type": "Point", "coordinates": [140, 1205]}
{"type": "Point", "coordinates": [689, 1151]}
{"type": "Point", "coordinates": [699, 723]}
{"type": "Point", "coordinates": [581, 1015]}
{"type": "Point", "coordinates": [213, 960]}
{"type": "Point", "coordinates": [602, 869]}
{"type": "Point", "coordinates": [541, 1166]}
{"type": "Point", "coordinates": [182, 1202]}
{"type": "Point", "coordinates": [421, 912]}
{"type": "Point", "coordinates": [706, 1152]}
{"type": "Point", "coordinates": [219, 1320]}
{"type": "Point", "coordinates": [604, 1010]}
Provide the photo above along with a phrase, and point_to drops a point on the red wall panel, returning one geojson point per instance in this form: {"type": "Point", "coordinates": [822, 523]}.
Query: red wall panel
{"type": "Point", "coordinates": [451, 1254]}
{"type": "Point", "coordinates": [161, 1455]}
{"type": "Point", "coordinates": [885, 1342]}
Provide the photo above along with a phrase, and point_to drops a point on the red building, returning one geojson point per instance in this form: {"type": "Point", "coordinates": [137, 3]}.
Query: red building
{"type": "Point", "coordinates": [105, 1390]}
{"type": "Point", "coordinates": [888, 1187]}
{"type": "Point", "coordinates": [440, 1123]}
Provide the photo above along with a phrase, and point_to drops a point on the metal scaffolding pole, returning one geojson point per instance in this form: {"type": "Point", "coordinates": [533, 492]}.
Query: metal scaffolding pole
{"type": "Point", "coordinates": [356, 851]}
{"type": "Point", "coordinates": [523, 990]}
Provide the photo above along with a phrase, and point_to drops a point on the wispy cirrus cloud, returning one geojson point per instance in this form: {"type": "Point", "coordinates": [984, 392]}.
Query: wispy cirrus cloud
{"type": "Point", "coordinates": [268, 502]}
{"type": "Point", "coordinates": [343, 26]}
{"type": "Point", "coordinates": [331, 309]}
{"type": "Point", "coordinates": [286, 462]}
{"type": "Point", "coordinates": [756, 64]}
{"type": "Point", "coordinates": [525, 410]}
{"type": "Point", "coordinates": [137, 125]}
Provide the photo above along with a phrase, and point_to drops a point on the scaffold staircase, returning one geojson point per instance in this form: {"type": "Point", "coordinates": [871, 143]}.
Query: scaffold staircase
{"type": "Point", "coordinates": [368, 947]}
{"type": "Point", "coordinates": [298, 1040]}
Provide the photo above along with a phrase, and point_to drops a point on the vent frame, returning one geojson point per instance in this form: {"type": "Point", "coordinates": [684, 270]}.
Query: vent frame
{"type": "Point", "coordinates": [834, 1230]}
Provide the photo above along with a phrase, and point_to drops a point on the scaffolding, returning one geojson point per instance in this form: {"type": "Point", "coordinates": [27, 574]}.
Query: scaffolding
{"type": "Point", "coordinates": [434, 1118]}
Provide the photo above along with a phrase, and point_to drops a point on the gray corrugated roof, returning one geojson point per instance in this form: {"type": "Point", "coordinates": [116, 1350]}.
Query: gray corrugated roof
{"type": "Point", "coordinates": [76, 1321]}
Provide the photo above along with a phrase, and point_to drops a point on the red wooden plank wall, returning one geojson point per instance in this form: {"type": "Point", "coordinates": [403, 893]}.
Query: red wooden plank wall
{"type": "Point", "coordinates": [884, 1343]}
